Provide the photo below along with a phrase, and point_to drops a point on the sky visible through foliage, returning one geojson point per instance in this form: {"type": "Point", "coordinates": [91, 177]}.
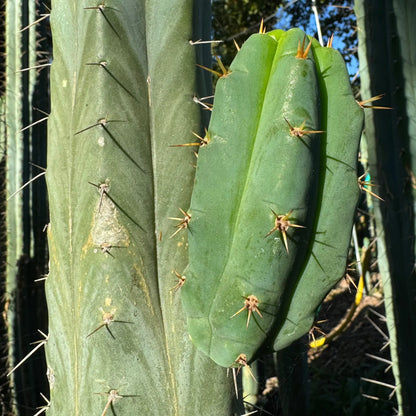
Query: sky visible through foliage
{"type": "Point", "coordinates": [237, 19]}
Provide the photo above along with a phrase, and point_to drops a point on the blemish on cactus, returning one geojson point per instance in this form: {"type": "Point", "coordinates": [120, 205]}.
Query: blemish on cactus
{"type": "Point", "coordinates": [106, 227]}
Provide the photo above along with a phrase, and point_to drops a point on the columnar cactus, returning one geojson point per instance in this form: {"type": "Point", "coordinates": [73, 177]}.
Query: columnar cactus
{"type": "Point", "coordinates": [122, 86]}
{"type": "Point", "coordinates": [275, 174]}
{"type": "Point", "coordinates": [387, 66]}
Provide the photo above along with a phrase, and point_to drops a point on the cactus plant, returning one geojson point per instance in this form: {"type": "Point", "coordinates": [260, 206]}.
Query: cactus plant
{"type": "Point", "coordinates": [24, 311]}
{"type": "Point", "coordinates": [263, 151]}
{"type": "Point", "coordinates": [387, 66]}
{"type": "Point", "coordinates": [122, 84]}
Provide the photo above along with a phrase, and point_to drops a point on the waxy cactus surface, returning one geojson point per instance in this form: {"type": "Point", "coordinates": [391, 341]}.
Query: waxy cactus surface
{"type": "Point", "coordinates": [265, 245]}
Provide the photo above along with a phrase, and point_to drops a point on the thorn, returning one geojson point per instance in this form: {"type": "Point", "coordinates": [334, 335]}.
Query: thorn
{"type": "Point", "coordinates": [108, 318]}
{"type": "Point", "coordinates": [184, 222]}
{"type": "Point", "coordinates": [262, 29]}
{"type": "Point", "coordinates": [44, 16]}
{"type": "Point", "coordinates": [300, 131]}
{"type": "Point", "coordinates": [380, 331]}
{"type": "Point", "coordinates": [235, 382]}
{"type": "Point", "coordinates": [242, 361]}
{"type": "Point", "coordinates": [33, 124]}
{"type": "Point", "coordinates": [302, 52]}
{"type": "Point", "coordinates": [103, 189]}
{"type": "Point", "coordinates": [203, 141]}
{"type": "Point", "coordinates": [100, 8]}
{"type": "Point", "coordinates": [221, 65]}
{"type": "Point", "coordinates": [102, 122]}
{"type": "Point", "coordinates": [362, 104]}
{"type": "Point", "coordinates": [380, 383]}
{"type": "Point", "coordinates": [251, 304]}
{"type": "Point", "coordinates": [363, 185]}
{"type": "Point", "coordinates": [180, 282]}
{"type": "Point", "coordinates": [282, 224]}
{"type": "Point", "coordinates": [26, 184]}
{"type": "Point", "coordinates": [105, 248]}
{"type": "Point", "coordinates": [201, 103]}
{"type": "Point", "coordinates": [40, 343]}
{"type": "Point", "coordinates": [44, 408]}
{"type": "Point", "coordinates": [113, 396]}
{"type": "Point", "coordinates": [330, 41]}
{"type": "Point", "coordinates": [201, 42]}
{"type": "Point", "coordinates": [102, 64]}
{"type": "Point", "coordinates": [34, 67]}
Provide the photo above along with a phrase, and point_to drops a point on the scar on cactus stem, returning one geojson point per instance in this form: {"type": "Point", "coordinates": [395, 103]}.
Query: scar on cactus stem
{"type": "Point", "coordinates": [184, 222]}
{"type": "Point", "coordinates": [203, 141]}
{"type": "Point", "coordinates": [282, 224]}
{"type": "Point", "coordinates": [302, 52]}
{"type": "Point", "coordinates": [251, 304]}
{"type": "Point", "coordinates": [224, 73]}
{"type": "Point", "coordinates": [363, 185]}
{"type": "Point", "coordinates": [300, 131]}
{"type": "Point", "coordinates": [242, 361]}
{"type": "Point", "coordinates": [180, 282]}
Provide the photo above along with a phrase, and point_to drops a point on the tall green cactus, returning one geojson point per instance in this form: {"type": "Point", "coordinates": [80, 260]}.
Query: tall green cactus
{"type": "Point", "coordinates": [387, 66]}
{"type": "Point", "coordinates": [23, 306]}
{"type": "Point", "coordinates": [122, 84]}
{"type": "Point", "coordinates": [262, 163]}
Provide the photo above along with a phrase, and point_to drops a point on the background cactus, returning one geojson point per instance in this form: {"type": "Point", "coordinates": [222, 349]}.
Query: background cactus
{"type": "Point", "coordinates": [387, 66]}
{"type": "Point", "coordinates": [23, 242]}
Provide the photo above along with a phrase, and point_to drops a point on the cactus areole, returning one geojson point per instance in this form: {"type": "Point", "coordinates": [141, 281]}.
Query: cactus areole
{"type": "Point", "coordinates": [274, 197]}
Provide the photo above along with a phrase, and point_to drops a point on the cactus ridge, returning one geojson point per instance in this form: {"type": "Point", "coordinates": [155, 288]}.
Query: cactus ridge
{"type": "Point", "coordinates": [269, 162]}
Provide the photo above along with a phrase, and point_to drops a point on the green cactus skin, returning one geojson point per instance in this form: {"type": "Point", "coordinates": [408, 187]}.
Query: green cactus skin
{"type": "Point", "coordinates": [256, 165]}
{"type": "Point", "coordinates": [122, 83]}
{"type": "Point", "coordinates": [243, 173]}
{"type": "Point", "coordinates": [342, 121]}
